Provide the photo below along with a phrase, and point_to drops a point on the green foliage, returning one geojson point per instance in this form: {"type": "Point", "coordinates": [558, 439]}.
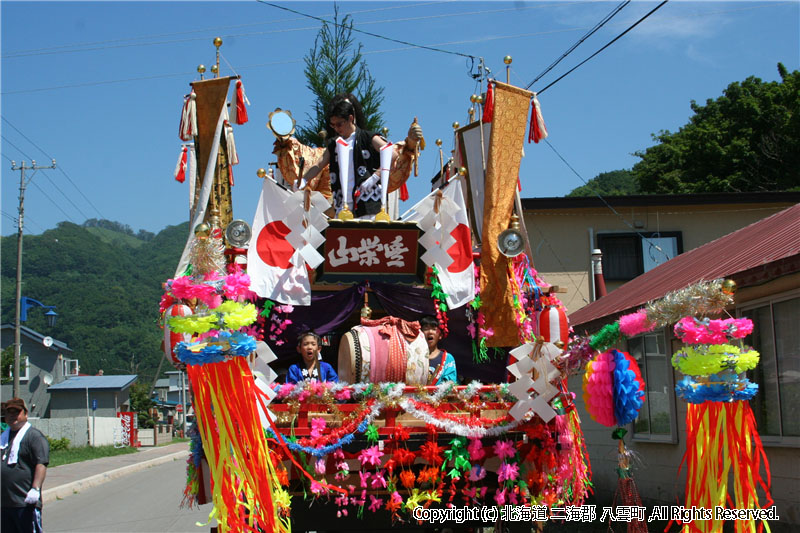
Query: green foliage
{"type": "Point", "coordinates": [748, 139]}
{"type": "Point", "coordinates": [7, 364]}
{"type": "Point", "coordinates": [614, 183]}
{"type": "Point", "coordinates": [85, 453]}
{"type": "Point", "coordinates": [335, 65]}
{"type": "Point", "coordinates": [58, 444]}
{"type": "Point", "coordinates": [141, 402]}
{"type": "Point", "coordinates": [106, 292]}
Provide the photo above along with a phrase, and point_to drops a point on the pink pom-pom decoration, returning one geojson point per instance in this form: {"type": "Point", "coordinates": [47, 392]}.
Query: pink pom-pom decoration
{"type": "Point", "coordinates": [692, 330]}
{"type": "Point", "coordinates": [635, 323]}
{"type": "Point", "coordinates": [598, 389]}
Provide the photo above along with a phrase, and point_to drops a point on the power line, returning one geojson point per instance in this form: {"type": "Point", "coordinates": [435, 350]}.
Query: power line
{"type": "Point", "coordinates": [60, 168]}
{"type": "Point", "coordinates": [52, 201]}
{"type": "Point", "coordinates": [424, 47]}
{"type": "Point", "coordinates": [17, 148]}
{"type": "Point", "coordinates": [608, 205]}
{"type": "Point", "coordinates": [612, 41]}
{"type": "Point", "coordinates": [599, 25]}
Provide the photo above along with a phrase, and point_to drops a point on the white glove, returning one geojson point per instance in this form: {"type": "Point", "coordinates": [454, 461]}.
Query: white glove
{"type": "Point", "coordinates": [32, 497]}
{"type": "Point", "coordinates": [368, 185]}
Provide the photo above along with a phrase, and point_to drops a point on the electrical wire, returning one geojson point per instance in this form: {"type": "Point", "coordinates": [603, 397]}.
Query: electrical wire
{"type": "Point", "coordinates": [572, 48]}
{"type": "Point", "coordinates": [17, 148]}
{"type": "Point", "coordinates": [421, 46]}
{"type": "Point", "coordinates": [609, 43]}
{"type": "Point", "coordinates": [52, 201]}
{"type": "Point", "coordinates": [608, 205]}
{"type": "Point", "coordinates": [59, 167]}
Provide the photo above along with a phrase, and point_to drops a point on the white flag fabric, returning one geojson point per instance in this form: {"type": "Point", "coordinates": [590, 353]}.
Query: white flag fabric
{"type": "Point", "coordinates": [277, 271]}
{"type": "Point", "coordinates": [458, 278]}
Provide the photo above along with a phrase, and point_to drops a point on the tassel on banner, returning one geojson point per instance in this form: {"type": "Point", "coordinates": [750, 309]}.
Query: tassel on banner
{"type": "Point", "coordinates": [180, 168]}
{"type": "Point", "coordinates": [538, 130]}
{"type": "Point", "coordinates": [404, 192]}
{"type": "Point", "coordinates": [488, 107]}
{"type": "Point", "coordinates": [241, 100]}
{"type": "Point", "coordinates": [233, 156]}
{"type": "Point", "coordinates": [188, 127]}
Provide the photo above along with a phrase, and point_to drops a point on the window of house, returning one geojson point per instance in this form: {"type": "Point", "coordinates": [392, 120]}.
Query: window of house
{"type": "Point", "coordinates": [657, 418]}
{"type": "Point", "coordinates": [71, 367]}
{"type": "Point", "coordinates": [627, 255]}
{"type": "Point", "coordinates": [776, 336]}
{"type": "Point", "coordinates": [23, 369]}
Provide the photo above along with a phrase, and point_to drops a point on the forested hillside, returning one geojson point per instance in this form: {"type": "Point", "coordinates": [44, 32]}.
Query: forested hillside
{"type": "Point", "coordinates": [106, 284]}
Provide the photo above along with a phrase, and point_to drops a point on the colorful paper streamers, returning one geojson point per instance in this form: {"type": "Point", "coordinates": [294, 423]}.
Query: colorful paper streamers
{"type": "Point", "coordinates": [244, 486]}
{"type": "Point", "coordinates": [613, 388]}
{"type": "Point", "coordinates": [723, 446]}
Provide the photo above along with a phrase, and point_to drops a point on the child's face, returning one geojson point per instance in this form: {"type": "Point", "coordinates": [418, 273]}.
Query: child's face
{"type": "Point", "coordinates": [309, 349]}
{"type": "Point", "coordinates": [432, 336]}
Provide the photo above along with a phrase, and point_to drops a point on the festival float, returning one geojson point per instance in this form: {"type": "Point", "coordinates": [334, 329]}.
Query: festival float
{"type": "Point", "coordinates": [500, 444]}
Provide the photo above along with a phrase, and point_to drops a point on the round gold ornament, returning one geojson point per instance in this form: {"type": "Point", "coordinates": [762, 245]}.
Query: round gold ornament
{"type": "Point", "coordinates": [202, 231]}
{"type": "Point", "coordinates": [729, 286]}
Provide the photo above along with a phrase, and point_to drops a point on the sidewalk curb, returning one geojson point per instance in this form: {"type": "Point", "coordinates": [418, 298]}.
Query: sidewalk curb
{"type": "Point", "coordinates": [68, 489]}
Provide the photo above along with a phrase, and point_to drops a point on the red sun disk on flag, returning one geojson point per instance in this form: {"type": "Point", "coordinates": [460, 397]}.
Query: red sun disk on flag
{"type": "Point", "coordinates": [272, 246]}
{"type": "Point", "coordinates": [461, 251]}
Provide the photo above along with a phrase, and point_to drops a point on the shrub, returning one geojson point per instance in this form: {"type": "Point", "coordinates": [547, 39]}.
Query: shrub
{"type": "Point", "coordinates": [58, 444]}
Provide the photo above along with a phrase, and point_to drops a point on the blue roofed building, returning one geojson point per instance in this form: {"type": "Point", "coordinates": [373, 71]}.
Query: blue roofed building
{"type": "Point", "coordinates": [77, 396]}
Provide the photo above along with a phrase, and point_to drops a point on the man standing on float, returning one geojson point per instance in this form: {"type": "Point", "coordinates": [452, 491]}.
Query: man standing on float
{"type": "Point", "coordinates": [345, 121]}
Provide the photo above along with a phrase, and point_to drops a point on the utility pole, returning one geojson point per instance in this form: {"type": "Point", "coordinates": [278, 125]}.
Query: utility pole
{"type": "Point", "coordinates": [20, 224]}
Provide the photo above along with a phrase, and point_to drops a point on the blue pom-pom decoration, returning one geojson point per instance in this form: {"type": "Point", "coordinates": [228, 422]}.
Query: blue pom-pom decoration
{"type": "Point", "coordinates": [721, 389]}
{"type": "Point", "coordinates": [628, 398]}
{"type": "Point", "coordinates": [241, 345]}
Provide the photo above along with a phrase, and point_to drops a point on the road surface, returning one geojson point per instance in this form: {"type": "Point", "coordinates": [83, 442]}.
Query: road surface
{"type": "Point", "coordinates": [145, 501]}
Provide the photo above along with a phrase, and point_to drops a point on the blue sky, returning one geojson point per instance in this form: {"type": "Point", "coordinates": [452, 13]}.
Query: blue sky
{"type": "Point", "coordinates": [99, 86]}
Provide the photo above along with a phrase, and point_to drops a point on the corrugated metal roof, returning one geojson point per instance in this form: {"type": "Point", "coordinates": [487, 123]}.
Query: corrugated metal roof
{"type": "Point", "coordinates": [96, 382]}
{"type": "Point", "coordinates": [769, 240]}
{"type": "Point", "coordinates": [38, 337]}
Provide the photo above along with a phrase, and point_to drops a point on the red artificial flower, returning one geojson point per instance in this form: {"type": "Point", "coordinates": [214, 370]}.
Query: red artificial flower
{"type": "Point", "coordinates": [428, 475]}
{"type": "Point", "coordinates": [432, 453]}
{"type": "Point", "coordinates": [394, 503]}
{"type": "Point", "coordinates": [401, 432]}
{"type": "Point", "coordinates": [407, 478]}
{"type": "Point", "coordinates": [403, 457]}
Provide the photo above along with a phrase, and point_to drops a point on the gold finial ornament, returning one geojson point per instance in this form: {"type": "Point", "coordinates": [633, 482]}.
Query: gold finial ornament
{"type": "Point", "coordinates": [345, 214]}
{"type": "Point", "coordinates": [462, 171]}
{"type": "Point", "coordinates": [217, 41]}
{"type": "Point", "coordinates": [382, 216]}
{"type": "Point", "coordinates": [473, 98]}
{"type": "Point", "coordinates": [729, 286]}
{"type": "Point", "coordinates": [385, 131]}
{"type": "Point", "coordinates": [202, 231]}
{"type": "Point", "coordinates": [261, 173]}
{"type": "Point", "coordinates": [201, 68]}
{"type": "Point", "coordinates": [507, 60]}
{"type": "Point", "coordinates": [438, 142]}
{"type": "Point", "coordinates": [214, 69]}
{"type": "Point", "coordinates": [456, 125]}
{"type": "Point", "coordinates": [479, 99]}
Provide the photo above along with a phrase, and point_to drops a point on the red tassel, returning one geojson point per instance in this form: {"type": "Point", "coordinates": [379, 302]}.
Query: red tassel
{"type": "Point", "coordinates": [180, 168]}
{"type": "Point", "coordinates": [488, 108]}
{"type": "Point", "coordinates": [404, 192]}
{"type": "Point", "coordinates": [241, 100]}
{"type": "Point", "coordinates": [538, 130]}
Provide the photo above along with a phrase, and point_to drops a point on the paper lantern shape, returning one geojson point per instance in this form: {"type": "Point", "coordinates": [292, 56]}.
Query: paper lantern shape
{"type": "Point", "coordinates": [553, 324]}
{"type": "Point", "coordinates": [172, 338]}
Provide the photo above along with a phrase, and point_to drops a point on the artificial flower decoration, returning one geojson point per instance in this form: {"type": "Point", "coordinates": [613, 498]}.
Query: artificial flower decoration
{"type": "Point", "coordinates": [504, 449]}
{"type": "Point", "coordinates": [370, 456]}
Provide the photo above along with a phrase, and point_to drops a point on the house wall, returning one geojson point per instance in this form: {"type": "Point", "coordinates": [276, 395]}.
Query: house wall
{"type": "Point", "coordinates": [562, 239]}
{"type": "Point", "coordinates": [42, 361]}
{"type": "Point", "coordinates": [72, 402]}
{"type": "Point", "coordinates": [657, 476]}
{"type": "Point", "coordinates": [82, 431]}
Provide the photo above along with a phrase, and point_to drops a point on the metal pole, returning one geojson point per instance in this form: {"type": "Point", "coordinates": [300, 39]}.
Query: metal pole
{"type": "Point", "coordinates": [20, 226]}
{"type": "Point", "coordinates": [88, 423]}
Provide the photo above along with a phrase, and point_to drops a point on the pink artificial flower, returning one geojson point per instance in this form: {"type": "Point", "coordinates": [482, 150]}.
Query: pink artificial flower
{"type": "Point", "coordinates": [285, 391]}
{"type": "Point", "coordinates": [237, 286]}
{"type": "Point", "coordinates": [378, 481]}
{"type": "Point", "coordinates": [475, 449]}
{"type": "Point", "coordinates": [504, 449]}
{"type": "Point", "coordinates": [370, 456]}
{"type": "Point", "coordinates": [318, 489]}
{"type": "Point", "coordinates": [470, 493]}
{"type": "Point", "coordinates": [364, 478]}
{"type": "Point", "coordinates": [343, 395]}
{"type": "Point", "coordinates": [513, 498]}
{"type": "Point", "coordinates": [375, 504]}
{"type": "Point", "coordinates": [338, 454]}
{"type": "Point", "coordinates": [477, 473]}
{"type": "Point", "coordinates": [500, 497]}
{"type": "Point", "coordinates": [507, 472]}
{"type": "Point", "coordinates": [317, 426]}
{"type": "Point", "coordinates": [320, 466]}
{"type": "Point", "coordinates": [483, 492]}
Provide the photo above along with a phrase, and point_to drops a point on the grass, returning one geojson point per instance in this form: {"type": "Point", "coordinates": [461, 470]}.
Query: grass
{"type": "Point", "coordinates": [85, 453]}
{"type": "Point", "coordinates": [173, 441]}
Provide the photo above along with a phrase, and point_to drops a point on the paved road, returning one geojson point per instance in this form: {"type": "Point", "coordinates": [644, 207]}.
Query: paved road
{"type": "Point", "coordinates": [142, 502]}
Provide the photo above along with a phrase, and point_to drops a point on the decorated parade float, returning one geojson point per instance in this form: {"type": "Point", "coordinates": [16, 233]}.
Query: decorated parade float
{"type": "Point", "coordinates": [385, 446]}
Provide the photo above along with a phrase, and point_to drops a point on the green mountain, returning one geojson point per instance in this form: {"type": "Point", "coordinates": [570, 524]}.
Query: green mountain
{"type": "Point", "coordinates": [106, 284]}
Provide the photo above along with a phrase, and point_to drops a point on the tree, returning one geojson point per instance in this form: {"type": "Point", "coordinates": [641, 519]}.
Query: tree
{"type": "Point", "coordinates": [141, 402]}
{"type": "Point", "coordinates": [335, 66]}
{"type": "Point", "coordinates": [748, 139]}
{"type": "Point", "coordinates": [614, 183]}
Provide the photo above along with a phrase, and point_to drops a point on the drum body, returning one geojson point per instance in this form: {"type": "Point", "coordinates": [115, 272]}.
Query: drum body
{"type": "Point", "coordinates": [364, 356]}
